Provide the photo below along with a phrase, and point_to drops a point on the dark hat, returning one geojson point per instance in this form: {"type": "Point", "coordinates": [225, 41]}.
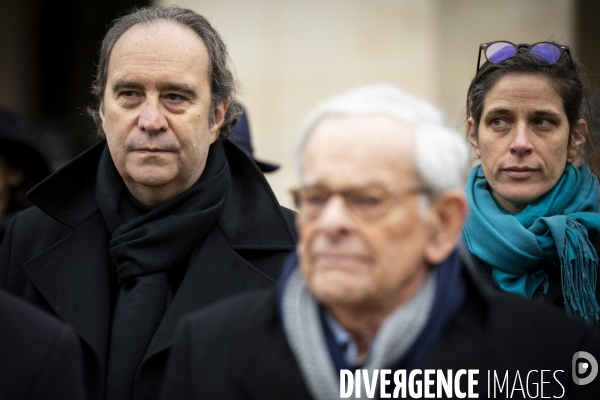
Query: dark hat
{"type": "Point", "coordinates": [241, 137]}
{"type": "Point", "coordinates": [19, 148]}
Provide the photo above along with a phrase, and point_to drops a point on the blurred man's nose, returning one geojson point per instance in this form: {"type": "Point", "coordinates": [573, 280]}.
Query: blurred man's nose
{"type": "Point", "coordinates": [335, 216]}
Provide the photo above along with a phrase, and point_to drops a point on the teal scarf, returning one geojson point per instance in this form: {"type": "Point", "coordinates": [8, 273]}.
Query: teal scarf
{"type": "Point", "coordinates": [555, 228]}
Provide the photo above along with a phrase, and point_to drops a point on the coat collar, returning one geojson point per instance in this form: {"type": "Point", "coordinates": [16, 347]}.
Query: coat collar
{"type": "Point", "coordinates": [249, 203]}
{"type": "Point", "coordinates": [68, 196]}
{"type": "Point", "coordinates": [475, 269]}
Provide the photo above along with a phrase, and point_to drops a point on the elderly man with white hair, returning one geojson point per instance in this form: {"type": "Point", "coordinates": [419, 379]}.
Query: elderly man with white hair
{"type": "Point", "coordinates": [375, 302]}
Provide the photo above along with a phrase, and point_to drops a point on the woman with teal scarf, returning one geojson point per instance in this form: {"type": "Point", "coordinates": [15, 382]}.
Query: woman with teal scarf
{"type": "Point", "coordinates": [534, 226]}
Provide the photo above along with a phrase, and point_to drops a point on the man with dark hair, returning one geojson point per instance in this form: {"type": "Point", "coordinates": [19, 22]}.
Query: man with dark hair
{"type": "Point", "coordinates": [162, 218]}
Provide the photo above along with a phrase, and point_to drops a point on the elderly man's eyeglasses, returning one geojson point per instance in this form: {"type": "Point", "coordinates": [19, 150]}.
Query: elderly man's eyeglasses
{"type": "Point", "coordinates": [499, 51]}
{"type": "Point", "coordinates": [369, 202]}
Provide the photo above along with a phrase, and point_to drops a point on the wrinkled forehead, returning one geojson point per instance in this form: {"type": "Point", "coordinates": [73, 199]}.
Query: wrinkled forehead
{"type": "Point", "coordinates": [159, 28]}
{"type": "Point", "coordinates": [155, 39]}
{"type": "Point", "coordinates": [358, 150]}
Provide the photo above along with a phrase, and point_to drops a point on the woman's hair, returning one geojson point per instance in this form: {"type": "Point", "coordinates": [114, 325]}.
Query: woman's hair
{"type": "Point", "coordinates": [564, 76]}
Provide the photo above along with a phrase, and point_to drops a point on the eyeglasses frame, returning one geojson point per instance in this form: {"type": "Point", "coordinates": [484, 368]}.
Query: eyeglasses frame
{"type": "Point", "coordinates": [484, 46]}
{"type": "Point", "coordinates": [392, 195]}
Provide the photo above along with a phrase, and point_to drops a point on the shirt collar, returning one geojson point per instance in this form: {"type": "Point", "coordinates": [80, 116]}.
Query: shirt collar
{"type": "Point", "coordinates": [344, 340]}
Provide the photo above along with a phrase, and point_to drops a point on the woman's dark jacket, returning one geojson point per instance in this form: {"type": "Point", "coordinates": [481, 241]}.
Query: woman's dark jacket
{"type": "Point", "coordinates": [55, 255]}
{"type": "Point", "coordinates": [483, 275]}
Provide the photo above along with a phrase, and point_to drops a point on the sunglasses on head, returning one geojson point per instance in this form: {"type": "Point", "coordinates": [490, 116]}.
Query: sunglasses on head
{"type": "Point", "coordinates": [496, 52]}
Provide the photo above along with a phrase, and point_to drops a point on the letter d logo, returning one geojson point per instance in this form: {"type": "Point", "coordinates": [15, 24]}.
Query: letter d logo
{"type": "Point", "coordinates": [590, 365]}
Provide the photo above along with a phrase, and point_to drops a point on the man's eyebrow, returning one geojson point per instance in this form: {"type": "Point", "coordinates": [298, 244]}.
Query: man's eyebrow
{"type": "Point", "coordinates": [179, 88]}
{"type": "Point", "coordinates": [165, 87]}
{"type": "Point", "coordinates": [120, 85]}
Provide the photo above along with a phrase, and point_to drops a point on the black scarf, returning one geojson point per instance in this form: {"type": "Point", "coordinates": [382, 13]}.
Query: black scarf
{"type": "Point", "coordinates": [144, 245]}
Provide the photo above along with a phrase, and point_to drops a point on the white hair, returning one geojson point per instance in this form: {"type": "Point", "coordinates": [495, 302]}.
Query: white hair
{"type": "Point", "coordinates": [441, 154]}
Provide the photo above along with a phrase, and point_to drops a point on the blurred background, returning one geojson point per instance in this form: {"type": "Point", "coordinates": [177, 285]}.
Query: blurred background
{"type": "Point", "coordinates": [288, 55]}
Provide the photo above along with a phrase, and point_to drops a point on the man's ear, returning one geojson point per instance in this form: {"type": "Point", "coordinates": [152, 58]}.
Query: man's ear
{"type": "Point", "coordinates": [218, 118]}
{"type": "Point", "coordinates": [577, 141]}
{"type": "Point", "coordinates": [446, 216]}
{"type": "Point", "coordinates": [473, 136]}
{"type": "Point", "coordinates": [101, 113]}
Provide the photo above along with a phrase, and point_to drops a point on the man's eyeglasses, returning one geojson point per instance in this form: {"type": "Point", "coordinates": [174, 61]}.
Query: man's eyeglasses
{"type": "Point", "coordinates": [369, 202]}
{"type": "Point", "coordinates": [496, 52]}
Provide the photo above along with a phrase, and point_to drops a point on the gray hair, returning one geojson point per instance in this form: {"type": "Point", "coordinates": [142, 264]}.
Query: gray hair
{"type": "Point", "coordinates": [223, 81]}
{"type": "Point", "coordinates": [441, 154]}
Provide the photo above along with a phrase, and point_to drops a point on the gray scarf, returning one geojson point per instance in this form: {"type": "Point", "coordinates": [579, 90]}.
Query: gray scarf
{"type": "Point", "coordinates": [304, 332]}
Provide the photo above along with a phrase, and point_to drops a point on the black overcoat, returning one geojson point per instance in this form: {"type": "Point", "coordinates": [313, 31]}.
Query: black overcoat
{"type": "Point", "coordinates": [40, 358]}
{"type": "Point", "coordinates": [245, 354]}
{"type": "Point", "coordinates": [55, 255]}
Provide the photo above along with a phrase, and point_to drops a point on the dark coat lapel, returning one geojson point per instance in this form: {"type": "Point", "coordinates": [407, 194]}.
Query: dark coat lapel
{"type": "Point", "coordinates": [215, 272]}
{"type": "Point", "coordinates": [73, 274]}
{"type": "Point", "coordinates": [73, 278]}
{"type": "Point", "coordinates": [69, 194]}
